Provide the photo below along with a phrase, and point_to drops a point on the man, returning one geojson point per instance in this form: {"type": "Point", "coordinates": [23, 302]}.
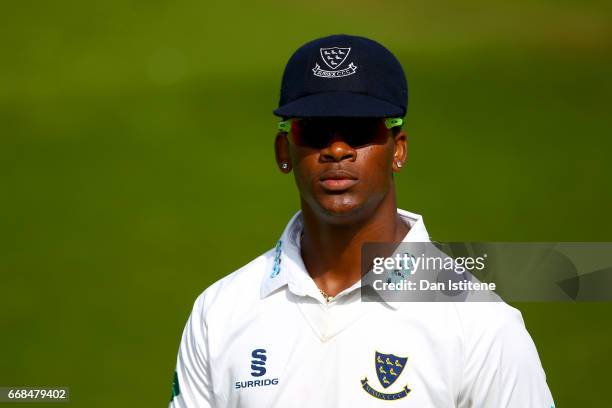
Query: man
{"type": "Point", "coordinates": [289, 329]}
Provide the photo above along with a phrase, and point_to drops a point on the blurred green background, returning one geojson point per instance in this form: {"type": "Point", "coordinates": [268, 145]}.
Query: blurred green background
{"type": "Point", "coordinates": [136, 165]}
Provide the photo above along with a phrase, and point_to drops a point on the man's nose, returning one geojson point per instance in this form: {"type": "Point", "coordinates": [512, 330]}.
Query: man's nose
{"type": "Point", "coordinates": [338, 150]}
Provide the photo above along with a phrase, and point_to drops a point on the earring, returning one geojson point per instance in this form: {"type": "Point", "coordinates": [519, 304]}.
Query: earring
{"type": "Point", "coordinates": [284, 166]}
{"type": "Point", "coordinates": [399, 164]}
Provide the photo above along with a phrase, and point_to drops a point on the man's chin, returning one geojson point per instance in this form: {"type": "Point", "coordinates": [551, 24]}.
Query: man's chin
{"type": "Point", "coordinates": [340, 209]}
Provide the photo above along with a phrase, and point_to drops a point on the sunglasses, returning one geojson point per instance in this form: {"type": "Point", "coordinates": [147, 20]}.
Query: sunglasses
{"type": "Point", "coordinates": [317, 133]}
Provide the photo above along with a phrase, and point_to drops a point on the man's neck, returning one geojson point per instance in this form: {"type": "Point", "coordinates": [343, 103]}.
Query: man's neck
{"type": "Point", "coordinates": [332, 251]}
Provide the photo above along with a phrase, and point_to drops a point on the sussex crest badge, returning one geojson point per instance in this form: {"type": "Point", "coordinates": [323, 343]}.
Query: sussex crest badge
{"type": "Point", "coordinates": [388, 369]}
{"type": "Point", "coordinates": [333, 58]}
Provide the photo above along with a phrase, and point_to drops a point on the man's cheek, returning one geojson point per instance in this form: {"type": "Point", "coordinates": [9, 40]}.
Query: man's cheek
{"type": "Point", "coordinates": [304, 181]}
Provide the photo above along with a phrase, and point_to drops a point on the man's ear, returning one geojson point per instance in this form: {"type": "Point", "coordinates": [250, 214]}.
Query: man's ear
{"type": "Point", "coordinates": [281, 151]}
{"type": "Point", "coordinates": [401, 150]}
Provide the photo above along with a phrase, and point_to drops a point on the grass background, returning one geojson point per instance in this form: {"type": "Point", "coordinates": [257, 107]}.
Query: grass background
{"type": "Point", "coordinates": [136, 165]}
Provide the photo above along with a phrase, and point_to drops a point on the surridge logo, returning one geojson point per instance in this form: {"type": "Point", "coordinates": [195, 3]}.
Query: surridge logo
{"type": "Point", "coordinates": [388, 369]}
{"type": "Point", "coordinates": [258, 369]}
{"type": "Point", "coordinates": [334, 57]}
{"type": "Point", "coordinates": [258, 364]}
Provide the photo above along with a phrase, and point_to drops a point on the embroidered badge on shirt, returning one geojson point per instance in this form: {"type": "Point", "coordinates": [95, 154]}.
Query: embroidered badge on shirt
{"type": "Point", "coordinates": [388, 369]}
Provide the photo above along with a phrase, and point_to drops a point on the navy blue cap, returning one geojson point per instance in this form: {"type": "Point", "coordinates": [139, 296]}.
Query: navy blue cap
{"type": "Point", "coordinates": [345, 76]}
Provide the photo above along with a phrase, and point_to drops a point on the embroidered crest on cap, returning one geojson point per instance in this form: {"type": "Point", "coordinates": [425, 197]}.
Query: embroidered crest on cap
{"type": "Point", "coordinates": [334, 57]}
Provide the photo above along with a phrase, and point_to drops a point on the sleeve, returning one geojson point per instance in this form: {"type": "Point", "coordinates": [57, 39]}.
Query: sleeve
{"type": "Point", "coordinates": [192, 387]}
{"type": "Point", "coordinates": [502, 368]}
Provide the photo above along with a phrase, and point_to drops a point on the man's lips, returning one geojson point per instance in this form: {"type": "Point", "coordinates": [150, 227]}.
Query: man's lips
{"type": "Point", "coordinates": [337, 180]}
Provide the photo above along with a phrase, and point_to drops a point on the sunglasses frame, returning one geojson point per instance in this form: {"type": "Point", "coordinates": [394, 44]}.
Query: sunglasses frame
{"type": "Point", "coordinates": [285, 125]}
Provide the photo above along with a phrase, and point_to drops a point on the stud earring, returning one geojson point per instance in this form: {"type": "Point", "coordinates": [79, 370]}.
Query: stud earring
{"type": "Point", "coordinates": [399, 164]}
{"type": "Point", "coordinates": [284, 166]}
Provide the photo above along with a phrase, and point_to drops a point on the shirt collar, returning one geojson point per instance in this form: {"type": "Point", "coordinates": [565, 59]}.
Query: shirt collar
{"type": "Point", "coordinates": [286, 267]}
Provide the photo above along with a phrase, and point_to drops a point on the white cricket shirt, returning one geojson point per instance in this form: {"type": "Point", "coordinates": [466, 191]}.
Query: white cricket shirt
{"type": "Point", "coordinates": [263, 336]}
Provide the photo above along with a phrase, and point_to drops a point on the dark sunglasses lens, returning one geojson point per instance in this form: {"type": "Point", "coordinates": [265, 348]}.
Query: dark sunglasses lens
{"type": "Point", "coordinates": [363, 131]}
{"type": "Point", "coordinates": [311, 133]}
{"type": "Point", "coordinates": [317, 133]}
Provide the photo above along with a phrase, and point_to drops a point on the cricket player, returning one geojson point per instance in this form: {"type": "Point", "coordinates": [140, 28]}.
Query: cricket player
{"type": "Point", "coordinates": [289, 329]}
